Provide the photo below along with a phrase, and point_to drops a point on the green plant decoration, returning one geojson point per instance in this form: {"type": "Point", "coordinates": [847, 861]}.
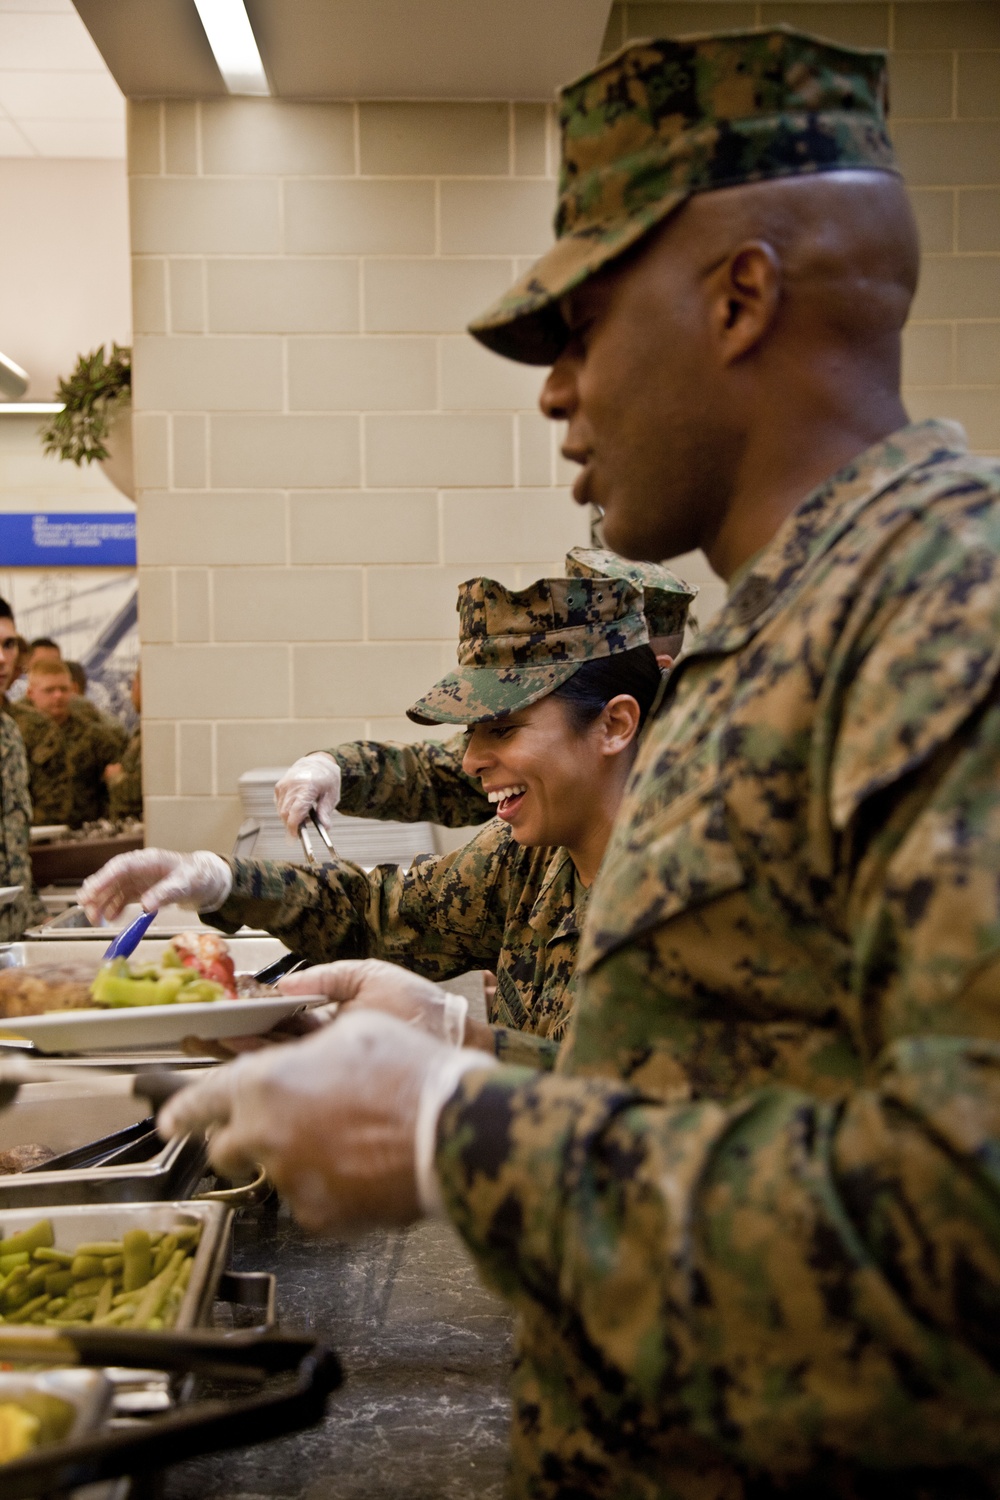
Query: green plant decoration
{"type": "Point", "coordinates": [92, 397]}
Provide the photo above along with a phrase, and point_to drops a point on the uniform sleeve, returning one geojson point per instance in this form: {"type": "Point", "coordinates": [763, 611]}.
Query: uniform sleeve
{"type": "Point", "coordinates": [441, 917]}
{"type": "Point", "coordinates": [419, 783]}
{"type": "Point", "coordinates": [797, 1280]}
{"type": "Point", "coordinates": [801, 1278]}
{"type": "Point", "coordinates": [113, 739]}
{"type": "Point", "coordinates": [125, 795]}
{"type": "Point", "coordinates": [15, 822]}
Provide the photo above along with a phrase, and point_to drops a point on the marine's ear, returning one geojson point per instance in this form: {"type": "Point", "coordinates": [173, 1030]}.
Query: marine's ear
{"type": "Point", "coordinates": [619, 723]}
{"type": "Point", "coordinates": [744, 294]}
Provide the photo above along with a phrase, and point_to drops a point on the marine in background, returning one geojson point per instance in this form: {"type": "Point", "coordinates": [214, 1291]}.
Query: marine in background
{"type": "Point", "coordinates": [424, 782]}
{"type": "Point", "coordinates": [80, 704]}
{"type": "Point", "coordinates": [67, 754]}
{"type": "Point", "coordinates": [124, 779]}
{"type": "Point", "coordinates": [15, 799]}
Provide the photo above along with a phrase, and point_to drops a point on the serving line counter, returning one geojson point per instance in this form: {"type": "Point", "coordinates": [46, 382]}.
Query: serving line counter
{"type": "Point", "coordinates": [424, 1410]}
{"type": "Point", "coordinates": [426, 1349]}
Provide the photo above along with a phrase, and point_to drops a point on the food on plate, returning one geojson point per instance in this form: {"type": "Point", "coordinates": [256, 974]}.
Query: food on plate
{"type": "Point", "coordinates": [209, 955]}
{"type": "Point", "coordinates": [196, 968]}
{"type": "Point", "coordinates": [30, 992]}
{"type": "Point", "coordinates": [21, 1158]}
{"type": "Point", "coordinates": [138, 1281]}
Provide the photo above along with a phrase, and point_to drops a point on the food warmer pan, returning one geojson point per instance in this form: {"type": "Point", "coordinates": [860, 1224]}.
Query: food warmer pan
{"type": "Point", "coordinates": [210, 1281]}
{"type": "Point", "coordinates": [168, 922]}
{"type": "Point", "coordinates": [107, 1150]}
{"type": "Point", "coordinates": [248, 953]}
{"type": "Point", "coordinates": [134, 1361]}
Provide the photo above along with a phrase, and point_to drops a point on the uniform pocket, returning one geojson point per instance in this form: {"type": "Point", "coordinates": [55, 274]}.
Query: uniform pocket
{"type": "Point", "coordinates": [674, 863]}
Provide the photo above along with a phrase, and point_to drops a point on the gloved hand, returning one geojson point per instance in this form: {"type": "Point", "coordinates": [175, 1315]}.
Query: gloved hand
{"type": "Point", "coordinates": [371, 984]}
{"type": "Point", "coordinates": [342, 1122]}
{"type": "Point", "coordinates": [313, 782]}
{"type": "Point", "coordinates": [156, 877]}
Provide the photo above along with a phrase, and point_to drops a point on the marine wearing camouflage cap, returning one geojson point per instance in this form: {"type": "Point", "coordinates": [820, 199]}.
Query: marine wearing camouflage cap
{"type": "Point", "coordinates": [661, 120]}
{"type": "Point", "coordinates": [666, 598]}
{"type": "Point", "coordinates": [515, 646]}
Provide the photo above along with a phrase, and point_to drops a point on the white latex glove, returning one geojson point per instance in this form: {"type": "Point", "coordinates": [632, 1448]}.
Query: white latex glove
{"type": "Point", "coordinates": [156, 877]}
{"type": "Point", "coordinates": [313, 782]}
{"type": "Point", "coordinates": [371, 984]}
{"type": "Point", "coordinates": [344, 1122]}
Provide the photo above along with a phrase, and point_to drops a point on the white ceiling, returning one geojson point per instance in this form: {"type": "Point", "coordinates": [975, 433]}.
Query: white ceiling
{"type": "Point", "coordinates": [358, 49]}
{"type": "Point", "coordinates": [57, 97]}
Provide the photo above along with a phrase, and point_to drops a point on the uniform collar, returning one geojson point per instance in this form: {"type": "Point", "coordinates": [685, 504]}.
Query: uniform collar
{"type": "Point", "coordinates": [761, 587]}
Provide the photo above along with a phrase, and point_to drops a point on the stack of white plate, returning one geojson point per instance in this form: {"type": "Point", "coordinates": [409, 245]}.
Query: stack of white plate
{"type": "Point", "coordinates": [365, 841]}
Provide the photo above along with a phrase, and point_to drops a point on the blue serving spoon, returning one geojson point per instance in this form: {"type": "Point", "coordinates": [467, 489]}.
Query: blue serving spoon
{"type": "Point", "coordinates": [128, 941]}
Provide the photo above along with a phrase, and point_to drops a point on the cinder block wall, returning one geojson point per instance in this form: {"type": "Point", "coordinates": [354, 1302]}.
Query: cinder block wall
{"type": "Point", "coordinates": [322, 453]}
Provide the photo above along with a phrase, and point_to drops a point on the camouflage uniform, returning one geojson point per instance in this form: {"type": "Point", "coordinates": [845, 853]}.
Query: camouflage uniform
{"type": "Point", "coordinates": [125, 796]}
{"type": "Point", "coordinates": [66, 766]}
{"type": "Point", "coordinates": [114, 735]}
{"type": "Point", "coordinates": [421, 783]}
{"type": "Point", "coordinates": [425, 782]}
{"type": "Point", "coordinates": [666, 599]}
{"type": "Point", "coordinates": [752, 1222]}
{"type": "Point", "coordinates": [491, 904]}
{"type": "Point", "coordinates": [15, 822]}
{"type": "Point", "coordinates": [778, 1243]}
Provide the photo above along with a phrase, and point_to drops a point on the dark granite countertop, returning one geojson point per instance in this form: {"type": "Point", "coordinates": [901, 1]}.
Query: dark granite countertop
{"type": "Point", "coordinates": [424, 1409]}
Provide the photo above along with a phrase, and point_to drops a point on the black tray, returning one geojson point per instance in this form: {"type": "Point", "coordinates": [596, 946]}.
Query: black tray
{"type": "Point", "coordinates": [189, 1432]}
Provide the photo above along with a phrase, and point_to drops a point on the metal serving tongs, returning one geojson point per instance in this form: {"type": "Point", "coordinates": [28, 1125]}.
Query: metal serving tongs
{"type": "Point", "coordinates": [305, 839]}
{"type": "Point", "coordinates": [155, 1085]}
{"type": "Point", "coordinates": [289, 962]}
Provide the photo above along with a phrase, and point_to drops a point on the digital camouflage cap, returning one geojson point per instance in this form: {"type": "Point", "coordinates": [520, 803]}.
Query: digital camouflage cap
{"type": "Point", "coordinates": [661, 120]}
{"type": "Point", "coordinates": [666, 598]}
{"type": "Point", "coordinates": [517, 645]}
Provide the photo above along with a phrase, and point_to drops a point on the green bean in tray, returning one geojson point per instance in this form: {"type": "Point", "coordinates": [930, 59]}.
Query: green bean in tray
{"type": "Point", "coordinates": [138, 1281]}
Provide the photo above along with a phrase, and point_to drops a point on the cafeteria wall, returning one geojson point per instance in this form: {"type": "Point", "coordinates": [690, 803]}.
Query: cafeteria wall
{"type": "Point", "coordinates": [323, 454]}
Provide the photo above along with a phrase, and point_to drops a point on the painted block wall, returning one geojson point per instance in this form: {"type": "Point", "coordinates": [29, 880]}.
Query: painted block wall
{"type": "Point", "coordinates": [322, 453]}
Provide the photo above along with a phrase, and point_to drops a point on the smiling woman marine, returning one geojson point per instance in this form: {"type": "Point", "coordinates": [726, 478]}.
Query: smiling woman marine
{"type": "Point", "coordinates": [554, 682]}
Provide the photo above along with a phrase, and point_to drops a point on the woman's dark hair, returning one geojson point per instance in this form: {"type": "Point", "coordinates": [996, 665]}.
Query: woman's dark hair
{"type": "Point", "coordinates": [592, 686]}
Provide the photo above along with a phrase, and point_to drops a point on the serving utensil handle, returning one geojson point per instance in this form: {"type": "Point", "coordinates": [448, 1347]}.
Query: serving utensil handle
{"type": "Point", "coordinates": [126, 942]}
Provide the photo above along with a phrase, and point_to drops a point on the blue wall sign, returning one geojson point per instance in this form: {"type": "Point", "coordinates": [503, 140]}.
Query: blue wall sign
{"type": "Point", "coordinates": [67, 539]}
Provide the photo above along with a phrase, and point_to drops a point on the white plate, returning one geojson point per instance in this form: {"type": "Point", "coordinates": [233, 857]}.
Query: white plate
{"type": "Point", "coordinates": [152, 1025]}
{"type": "Point", "coordinates": [9, 893]}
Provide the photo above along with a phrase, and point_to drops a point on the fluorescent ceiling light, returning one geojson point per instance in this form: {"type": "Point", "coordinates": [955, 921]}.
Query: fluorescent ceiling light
{"type": "Point", "coordinates": [13, 380]}
{"type": "Point", "coordinates": [233, 45]}
{"type": "Point", "coordinates": [29, 408]}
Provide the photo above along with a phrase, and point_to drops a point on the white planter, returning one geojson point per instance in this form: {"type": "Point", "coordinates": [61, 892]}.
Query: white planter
{"type": "Point", "coordinates": [119, 466]}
